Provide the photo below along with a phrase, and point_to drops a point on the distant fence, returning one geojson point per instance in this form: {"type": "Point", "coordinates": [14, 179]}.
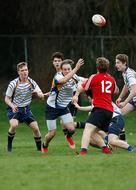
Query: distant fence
{"type": "Point", "coordinates": [37, 50]}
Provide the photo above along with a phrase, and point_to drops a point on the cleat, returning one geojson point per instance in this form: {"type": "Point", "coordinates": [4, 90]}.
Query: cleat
{"type": "Point", "coordinates": [70, 142]}
{"type": "Point", "coordinates": [83, 153]}
{"type": "Point", "coordinates": [106, 150]}
{"type": "Point", "coordinates": [44, 150]}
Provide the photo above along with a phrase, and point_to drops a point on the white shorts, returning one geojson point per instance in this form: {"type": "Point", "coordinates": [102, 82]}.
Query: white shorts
{"type": "Point", "coordinates": [67, 118]}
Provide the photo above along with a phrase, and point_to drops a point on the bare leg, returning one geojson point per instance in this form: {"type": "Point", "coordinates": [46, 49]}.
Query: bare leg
{"type": "Point", "coordinates": [48, 137]}
{"type": "Point", "coordinates": [115, 141]}
{"type": "Point", "coordinates": [96, 139]}
{"type": "Point", "coordinates": [87, 133]}
{"type": "Point", "coordinates": [128, 108]}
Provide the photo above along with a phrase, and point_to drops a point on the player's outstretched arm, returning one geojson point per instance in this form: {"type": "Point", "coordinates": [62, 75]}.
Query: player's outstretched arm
{"type": "Point", "coordinates": [70, 75]}
{"type": "Point", "coordinates": [130, 96]}
{"type": "Point", "coordinates": [83, 108]}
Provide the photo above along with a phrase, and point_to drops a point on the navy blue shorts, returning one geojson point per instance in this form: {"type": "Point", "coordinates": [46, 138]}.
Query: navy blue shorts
{"type": "Point", "coordinates": [53, 113]}
{"type": "Point", "coordinates": [23, 114]}
{"type": "Point", "coordinates": [133, 103]}
{"type": "Point", "coordinates": [116, 126]}
{"type": "Point", "coordinates": [101, 118]}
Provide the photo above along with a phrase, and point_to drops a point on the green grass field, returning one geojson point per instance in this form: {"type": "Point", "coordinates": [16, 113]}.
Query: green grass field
{"type": "Point", "coordinates": [26, 169]}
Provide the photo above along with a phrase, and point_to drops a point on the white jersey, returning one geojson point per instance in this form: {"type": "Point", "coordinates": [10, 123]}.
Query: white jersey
{"type": "Point", "coordinates": [21, 93]}
{"type": "Point", "coordinates": [116, 111]}
{"type": "Point", "coordinates": [129, 79]}
{"type": "Point", "coordinates": [78, 80]}
{"type": "Point", "coordinates": [60, 94]}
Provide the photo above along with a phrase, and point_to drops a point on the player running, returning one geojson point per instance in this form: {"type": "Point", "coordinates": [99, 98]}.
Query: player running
{"type": "Point", "coordinates": [58, 100]}
{"type": "Point", "coordinates": [102, 86]}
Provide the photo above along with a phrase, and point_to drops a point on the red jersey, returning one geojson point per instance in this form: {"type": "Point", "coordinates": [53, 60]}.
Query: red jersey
{"type": "Point", "coordinates": [102, 86]}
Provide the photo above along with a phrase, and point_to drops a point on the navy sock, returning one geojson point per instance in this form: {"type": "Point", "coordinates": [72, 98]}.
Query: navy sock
{"type": "Point", "coordinates": [70, 133]}
{"type": "Point", "coordinates": [65, 131]}
{"type": "Point", "coordinates": [38, 142]}
{"type": "Point", "coordinates": [130, 148]}
{"type": "Point", "coordinates": [122, 135]}
{"type": "Point", "coordinates": [10, 139]}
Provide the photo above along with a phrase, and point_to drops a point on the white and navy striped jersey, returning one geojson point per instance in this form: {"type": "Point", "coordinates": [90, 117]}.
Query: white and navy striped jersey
{"type": "Point", "coordinates": [129, 77]}
{"type": "Point", "coordinates": [61, 94]}
{"type": "Point", "coordinates": [21, 93]}
{"type": "Point", "coordinates": [78, 80]}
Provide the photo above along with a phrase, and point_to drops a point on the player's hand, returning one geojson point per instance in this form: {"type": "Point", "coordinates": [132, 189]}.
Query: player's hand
{"type": "Point", "coordinates": [79, 63]}
{"type": "Point", "coordinates": [34, 93]}
{"type": "Point", "coordinates": [14, 108]}
{"type": "Point", "coordinates": [74, 99]}
{"type": "Point", "coordinates": [121, 104]}
{"type": "Point", "coordinates": [38, 94]}
{"type": "Point", "coordinates": [46, 94]}
{"type": "Point", "coordinates": [118, 101]}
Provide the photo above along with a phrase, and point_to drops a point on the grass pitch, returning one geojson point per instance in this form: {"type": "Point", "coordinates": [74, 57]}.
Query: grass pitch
{"type": "Point", "coordinates": [26, 169]}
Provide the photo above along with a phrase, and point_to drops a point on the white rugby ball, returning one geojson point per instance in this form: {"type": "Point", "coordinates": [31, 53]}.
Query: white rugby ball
{"type": "Point", "coordinates": [98, 20]}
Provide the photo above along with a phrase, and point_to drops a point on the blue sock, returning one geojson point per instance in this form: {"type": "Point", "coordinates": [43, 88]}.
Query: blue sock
{"type": "Point", "coordinates": [130, 148]}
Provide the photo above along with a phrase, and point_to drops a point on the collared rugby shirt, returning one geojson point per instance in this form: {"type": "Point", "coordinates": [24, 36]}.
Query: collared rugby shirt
{"type": "Point", "coordinates": [129, 77]}
{"type": "Point", "coordinates": [61, 94]}
{"type": "Point", "coordinates": [21, 93]}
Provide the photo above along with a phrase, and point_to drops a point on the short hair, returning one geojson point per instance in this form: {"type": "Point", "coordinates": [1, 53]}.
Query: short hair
{"type": "Point", "coordinates": [102, 64]}
{"type": "Point", "coordinates": [67, 61]}
{"type": "Point", "coordinates": [21, 64]}
{"type": "Point", "coordinates": [123, 58]}
{"type": "Point", "coordinates": [58, 55]}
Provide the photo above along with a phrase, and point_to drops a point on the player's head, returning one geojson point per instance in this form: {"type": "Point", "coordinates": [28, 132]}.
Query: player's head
{"type": "Point", "coordinates": [22, 69]}
{"type": "Point", "coordinates": [102, 64]}
{"type": "Point", "coordinates": [58, 55]}
{"type": "Point", "coordinates": [57, 58]}
{"type": "Point", "coordinates": [21, 64]}
{"type": "Point", "coordinates": [66, 66]}
{"type": "Point", "coordinates": [121, 62]}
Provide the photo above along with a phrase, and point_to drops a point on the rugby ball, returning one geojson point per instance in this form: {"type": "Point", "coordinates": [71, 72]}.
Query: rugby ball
{"type": "Point", "coordinates": [98, 20]}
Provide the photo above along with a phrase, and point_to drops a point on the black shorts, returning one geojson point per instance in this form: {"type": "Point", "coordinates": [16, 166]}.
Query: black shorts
{"type": "Point", "coordinates": [72, 109]}
{"type": "Point", "coordinates": [53, 113]}
{"type": "Point", "coordinates": [101, 118]}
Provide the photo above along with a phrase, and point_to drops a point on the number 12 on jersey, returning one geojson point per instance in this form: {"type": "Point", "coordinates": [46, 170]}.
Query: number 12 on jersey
{"type": "Point", "coordinates": [106, 86]}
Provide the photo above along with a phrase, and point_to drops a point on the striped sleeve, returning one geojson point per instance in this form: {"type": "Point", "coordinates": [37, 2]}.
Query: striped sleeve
{"type": "Point", "coordinates": [79, 78]}
{"type": "Point", "coordinates": [35, 86]}
{"type": "Point", "coordinates": [131, 77]}
{"type": "Point", "coordinates": [33, 83]}
{"type": "Point", "coordinates": [57, 77]}
{"type": "Point", "coordinates": [11, 88]}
